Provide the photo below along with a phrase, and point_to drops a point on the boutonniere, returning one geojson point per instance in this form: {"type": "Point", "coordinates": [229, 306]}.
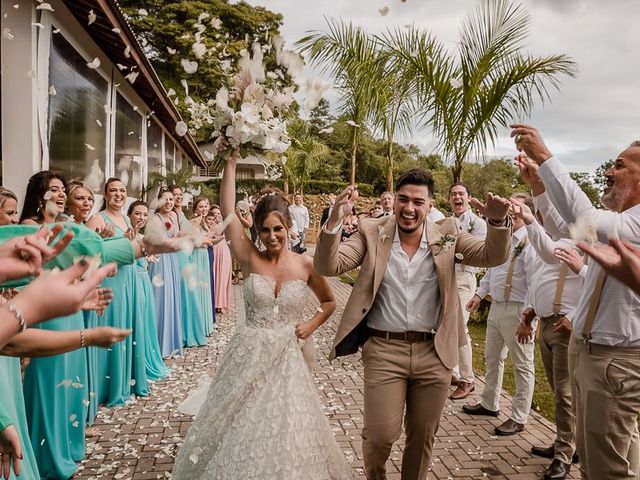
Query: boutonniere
{"type": "Point", "coordinates": [381, 233]}
{"type": "Point", "coordinates": [472, 226]}
{"type": "Point", "coordinates": [444, 242]}
{"type": "Point", "coordinates": [518, 250]}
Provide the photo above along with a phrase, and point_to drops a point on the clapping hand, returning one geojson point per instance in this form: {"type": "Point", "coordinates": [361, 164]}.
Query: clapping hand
{"type": "Point", "coordinates": [620, 259]}
{"type": "Point", "coordinates": [343, 206]}
{"type": "Point", "coordinates": [107, 231]}
{"type": "Point", "coordinates": [98, 300]}
{"type": "Point", "coordinates": [520, 210]}
{"type": "Point", "coordinates": [571, 257]}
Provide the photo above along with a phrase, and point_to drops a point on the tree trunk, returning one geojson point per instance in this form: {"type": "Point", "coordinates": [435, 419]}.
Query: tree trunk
{"type": "Point", "coordinates": [286, 185]}
{"type": "Point", "coordinates": [354, 148]}
{"type": "Point", "coordinates": [390, 165]}
{"type": "Point", "coordinates": [456, 170]}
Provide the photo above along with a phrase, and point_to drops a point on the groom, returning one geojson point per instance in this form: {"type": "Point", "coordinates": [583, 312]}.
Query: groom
{"type": "Point", "coordinates": [405, 310]}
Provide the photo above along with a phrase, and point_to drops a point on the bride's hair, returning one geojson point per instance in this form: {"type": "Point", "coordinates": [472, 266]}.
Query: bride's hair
{"type": "Point", "coordinates": [272, 200]}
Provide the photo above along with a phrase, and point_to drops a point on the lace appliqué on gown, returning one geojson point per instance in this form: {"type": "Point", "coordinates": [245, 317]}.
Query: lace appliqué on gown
{"type": "Point", "coordinates": [262, 418]}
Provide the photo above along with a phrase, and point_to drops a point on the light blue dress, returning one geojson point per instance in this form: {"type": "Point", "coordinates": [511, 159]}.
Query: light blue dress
{"type": "Point", "coordinates": [13, 403]}
{"type": "Point", "coordinates": [193, 319]}
{"type": "Point", "coordinates": [56, 393]}
{"type": "Point", "coordinates": [145, 301]}
{"type": "Point", "coordinates": [165, 278]}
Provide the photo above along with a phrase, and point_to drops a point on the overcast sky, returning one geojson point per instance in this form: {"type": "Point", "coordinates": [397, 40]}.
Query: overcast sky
{"type": "Point", "coordinates": [591, 119]}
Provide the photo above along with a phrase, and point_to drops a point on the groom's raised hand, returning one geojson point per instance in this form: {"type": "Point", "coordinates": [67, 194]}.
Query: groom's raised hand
{"type": "Point", "coordinates": [495, 207]}
{"type": "Point", "coordinates": [343, 206]}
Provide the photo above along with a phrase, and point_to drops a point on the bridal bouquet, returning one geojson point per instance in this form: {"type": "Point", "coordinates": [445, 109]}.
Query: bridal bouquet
{"type": "Point", "coordinates": [251, 115]}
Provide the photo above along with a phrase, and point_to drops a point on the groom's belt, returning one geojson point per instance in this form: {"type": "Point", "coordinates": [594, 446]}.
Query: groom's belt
{"type": "Point", "coordinates": [409, 336]}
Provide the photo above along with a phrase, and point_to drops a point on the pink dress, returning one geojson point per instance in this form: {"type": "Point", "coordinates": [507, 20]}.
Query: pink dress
{"type": "Point", "coordinates": [222, 273]}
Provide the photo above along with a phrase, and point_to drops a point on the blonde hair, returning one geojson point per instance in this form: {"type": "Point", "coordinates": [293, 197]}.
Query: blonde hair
{"type": "Point", "coordinates": [6, 194]}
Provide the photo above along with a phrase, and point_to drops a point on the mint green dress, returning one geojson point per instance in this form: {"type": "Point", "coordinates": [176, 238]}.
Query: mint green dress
{"type": "Point", "coordinates": [145, 301]}
{"type": "Point", "coordinates": [13, 403]}
{"type": "Point", "coordinates": [55, 388]}
{"type": "Point", "coordinates": [193, 320]}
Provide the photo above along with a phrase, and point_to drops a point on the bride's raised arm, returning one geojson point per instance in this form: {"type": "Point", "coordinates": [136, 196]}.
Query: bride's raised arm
{"type": "Point", "coordinates": [241, 247]}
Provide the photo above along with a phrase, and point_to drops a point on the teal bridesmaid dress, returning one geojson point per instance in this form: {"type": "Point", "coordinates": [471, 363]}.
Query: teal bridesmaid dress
{"type": "Point", "coordinates": [193, 323]}
{"type": "Point", "coordinates": [13, 403]}
{"type": "Point", "coordinates": [145, 301]}
{"type": "Point", "coordinates": [56, 397]}
{"type": "Point", "coordinates": [200, 259]}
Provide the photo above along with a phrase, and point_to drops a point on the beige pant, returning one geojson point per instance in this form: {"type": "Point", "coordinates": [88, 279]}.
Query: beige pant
{"type": "Point", "coordinates": [606, 392]}
{"type": "Point", "coordinates": [554, 347]}
{"type": "Point", "coordinates": [466, 289]}
{"type": "Point", "coordinates": [502, 325]}
{"type": "Point", "coordinates": [397, 373]}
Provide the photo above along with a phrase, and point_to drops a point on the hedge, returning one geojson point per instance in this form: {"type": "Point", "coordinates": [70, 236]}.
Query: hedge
{"type": "Point", "coordinates": [312, 187]}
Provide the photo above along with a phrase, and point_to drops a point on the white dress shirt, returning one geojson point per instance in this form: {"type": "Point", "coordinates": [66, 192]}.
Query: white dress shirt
{"type": "Point", "coordinates": [493, 283]}
{"type": "Point", "coordinates": [476, 226]}
{"type": "Point", "coordinates": [300, 215]}
{"type": "Point", "coordinates": [408, 298]}
{"type": "Point", "coordinates": [542, 293]}
{"type": "Point", "coordinates": [617, 319]}
{"type": "Point", "coordinates": [435, 214]}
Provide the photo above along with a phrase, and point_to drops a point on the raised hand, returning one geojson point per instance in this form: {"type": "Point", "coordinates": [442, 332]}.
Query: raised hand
{"type": "Point", "coordinates": [529, 141]}
{"type": "Point", "coordinates": [571, 257]}
{"type": "Point", "coordinates": [495, 207]}
{"type": "Point", "coordinates": [105, 336]}
{"type": "Point", "coordinates": [520, 210]}
{"type": "Point", "coordinates": [107, 231]}
{"type": "Point", "coordinates": [343, 206]}
{"type": "Point", "coordinates": [620, 259]}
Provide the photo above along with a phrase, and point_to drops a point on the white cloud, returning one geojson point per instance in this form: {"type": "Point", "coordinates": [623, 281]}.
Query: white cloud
{"type": "Point", "coordinates": [591, 119]}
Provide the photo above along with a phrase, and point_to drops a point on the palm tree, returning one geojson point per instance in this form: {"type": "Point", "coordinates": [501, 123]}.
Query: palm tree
{"type": "Point", "coordinates": [306, 153]}
{"type": "Point", "coordinates": [342, 52]}
{"type": "Point", "coordinates": [467, 100]}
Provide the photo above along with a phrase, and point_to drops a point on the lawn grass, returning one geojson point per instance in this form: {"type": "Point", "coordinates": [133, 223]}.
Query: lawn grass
{"type": "Point", "coordinates": [543, 399]}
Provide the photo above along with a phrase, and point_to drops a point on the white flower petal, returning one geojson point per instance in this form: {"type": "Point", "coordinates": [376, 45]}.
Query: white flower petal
{"type": "Point", "coordinates": [455, 83]}
{"type": "Point", "coordinates": [45, 6]}
{"type": "Point", "coordinates": [383, 11]}
{"type": "Point", "coordinates": [189, 66]}
{"type": "Point", "coordinates": [142, 12]}
{"type": "Point", "coordinates": [94, 64]}
{"type": "Point", "coordinates": [92, 17]}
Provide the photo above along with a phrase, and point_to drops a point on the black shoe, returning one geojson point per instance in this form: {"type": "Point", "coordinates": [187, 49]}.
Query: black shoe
{"type": "Point", "coordinates": [557, 470]}
{"type": "Point", "coordinates": [546, 452]}
{"type": "Point", "coordinates": [479, 410]}
{"type": "Point", "coordinates": [509, 427]}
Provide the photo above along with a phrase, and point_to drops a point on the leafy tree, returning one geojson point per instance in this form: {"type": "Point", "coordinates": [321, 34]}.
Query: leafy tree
{"type": "Point", "coordinates": [467, 99]}
{"type": "Point", "coordinates": [585, 182]}
{"type": "Point", "coordinates": [599, 178]}
{"type": "Point", "coordinates": [177, 24]}
{"type": "Point", "coordinates": [306, 152]}
{"type": "Point", "coordinates": [320, 117]}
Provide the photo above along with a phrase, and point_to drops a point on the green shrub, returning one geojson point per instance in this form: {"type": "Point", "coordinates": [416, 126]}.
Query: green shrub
{"type": "Point", "coordinates": [312, 187]}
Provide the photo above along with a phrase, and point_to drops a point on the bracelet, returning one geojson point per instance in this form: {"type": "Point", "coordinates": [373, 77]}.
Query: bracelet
{"type": "Point", "coordinates": [82, 342]}
{"type": "Point", "coordinates": [18, 314]}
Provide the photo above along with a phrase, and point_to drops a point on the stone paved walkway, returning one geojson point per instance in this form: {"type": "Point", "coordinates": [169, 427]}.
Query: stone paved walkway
{"type": "Point", "coordinates": [140, 439]}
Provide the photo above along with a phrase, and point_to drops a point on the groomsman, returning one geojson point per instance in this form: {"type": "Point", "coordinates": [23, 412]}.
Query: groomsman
{"type": "Point", "coordinates": [387, 200]}
{"type": "Point", "coordinates": [463, 376]}
{"type": "Point", "coordinates": [553, 299]}
{"type": "Point", "coordinates": [508, 284]}
{"type": "Point", "coordinates": [404, 311]}
{"type": "Point", "coordinates": [605, 348]}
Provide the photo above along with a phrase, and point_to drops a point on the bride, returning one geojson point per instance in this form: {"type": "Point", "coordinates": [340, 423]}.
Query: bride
{"type": "Point", "coordinates": [262, 418]}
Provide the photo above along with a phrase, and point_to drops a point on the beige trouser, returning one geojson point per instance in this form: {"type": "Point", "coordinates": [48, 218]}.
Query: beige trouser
{"type": "Point", "coordinates": [502, 325]}
{"type": "Point", "coordinates": [398, 373]}
{"type": "Point", "coordinates": [554, 347]}
{"type": "Point", "coordinates": [466, 289]}
{"type": "Point", "coordinates": [606, 392]}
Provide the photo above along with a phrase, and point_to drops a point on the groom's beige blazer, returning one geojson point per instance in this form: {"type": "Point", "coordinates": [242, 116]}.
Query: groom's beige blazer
{"type": "Point", "coordinates": [370, 248]}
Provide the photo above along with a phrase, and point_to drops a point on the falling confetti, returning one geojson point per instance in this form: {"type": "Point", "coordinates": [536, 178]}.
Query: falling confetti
{"type": "Point", "coordinates": [131, 77]}
{"type": "Point", "coordinates": [6, 33]}
{"type": "Point", "coordinates": [45, 6]}
{"type": "Point", "coordinates": [326, 130]}
{"type": "Point", "coordinates": [94, 64]}
{"type": "Point", "coordinates": [89, 146]}
{"type": "Point", "coordinates": [181, 128]}
{"type": "Point", "coordinates": [383, 11]}
{"type": "Point", "coordinates": [157, 280]}
{"type": "Point", "coordinates": [189, 66]}
{"type": "Point", "coordinates": [142, 12]}
{"type": "Point", "coordinates": [455, 83]}
{"type": "Point", "coordinates": [92, 17]}
{"type": "Point", "coordinates": [52, 90]}
{"type": "Point", "coordinates": [352, 123]}
{"type": "Point", "coordinates": [115, 30]}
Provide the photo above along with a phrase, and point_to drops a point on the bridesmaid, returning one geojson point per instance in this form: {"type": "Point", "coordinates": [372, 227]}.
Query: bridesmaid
{"type": "Point", "coordinates": [111, 372]}
{"type": "Point", "coordinates": [193, 320]}
{"type": "Point", "coordinates": [156, 369]}
{"type": "Point", "coordinates": [50, 402]}
{"type": "Point", "coordinates": [165, 278]}
{"type": "Point", "coordinates": [222, 269]}
{"type": "Point", "coordinates": [210, 223]}
{"type": "Point", "coordinates": [79, 202]}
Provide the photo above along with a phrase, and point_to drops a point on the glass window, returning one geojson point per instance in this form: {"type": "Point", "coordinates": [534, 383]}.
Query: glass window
{"type": "Point", "coordinates": [77, 118]}
{"type": "Point", "coordinates": [154, 148]}
{"type": "Point", "coordinates": [168, 154]}
{"type": "Point", "coordinates": [128, 147]}
{"type": "Point", "coordinates": [179, 163]}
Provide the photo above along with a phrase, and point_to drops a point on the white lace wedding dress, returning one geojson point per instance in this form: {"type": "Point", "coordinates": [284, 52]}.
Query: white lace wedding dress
{"type": "Point", "coordinates": [262, 418]}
